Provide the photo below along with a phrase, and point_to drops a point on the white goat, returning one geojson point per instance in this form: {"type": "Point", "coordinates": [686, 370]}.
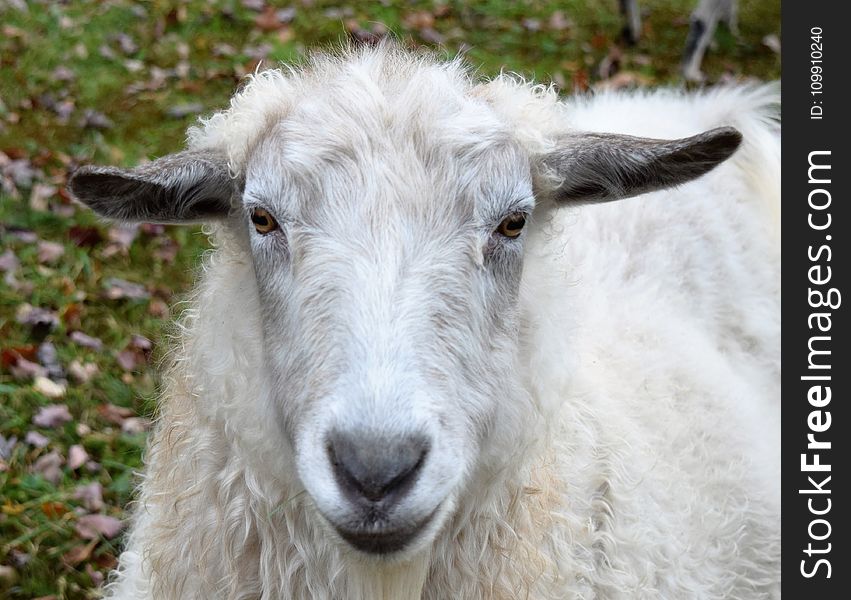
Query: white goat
{"type": "Point", "coordinates": [408, 374]}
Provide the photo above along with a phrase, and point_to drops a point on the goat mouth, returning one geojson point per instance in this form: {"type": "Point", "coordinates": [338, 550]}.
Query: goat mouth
{"type": "Point", "coordinates": [384, 542]}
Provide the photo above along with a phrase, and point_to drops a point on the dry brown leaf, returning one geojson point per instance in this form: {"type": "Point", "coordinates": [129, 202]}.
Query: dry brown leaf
{"type": "Point", "coordinates": [77, 457]}
{"type": "Point", "coordinates": [91, 527]}
{"type": "Point", "coordinates": [82, 372]}
{"type": "Point", "coordinates": [49, 467]}
{"type": "Point", "coordinates": [118, 289]}
{"type": "Point", "coordinates": [79, 554]}
{"type": "Point", "coordinates": [36, 439]}
{"type": "Point", "coordinates": [86, 341]}
{"type": "Point", "coordinates": [49, 252]}
{"type": "Point", "coordinates": [51, 389]}
{"type": "Point", "coordinates": [91, 495]}
{"type": "Point", "coordinates": [53, 415]}
{"type": "Point", "coordinates": [135, 425]}
{"type": "Point", "coordinates": [115, 414]}
{"type": "Point", "coordinates": [53, 510]}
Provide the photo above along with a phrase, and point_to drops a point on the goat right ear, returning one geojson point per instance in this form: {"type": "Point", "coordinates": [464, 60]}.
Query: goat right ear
{"type": "Point", "coordinates": [194, 185]}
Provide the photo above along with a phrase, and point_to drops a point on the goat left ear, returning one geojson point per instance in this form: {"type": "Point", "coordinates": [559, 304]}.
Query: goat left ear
{"type": "Point", "coordinates": [600, 167]}
{"type": "Point", "coordinates": [189, 186]}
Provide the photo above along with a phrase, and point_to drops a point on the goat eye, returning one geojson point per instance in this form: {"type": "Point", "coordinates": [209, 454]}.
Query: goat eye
{"type": "Point", "coordinates": [263, 221]}
{"type": "Point", "coordinates": [512, 225]}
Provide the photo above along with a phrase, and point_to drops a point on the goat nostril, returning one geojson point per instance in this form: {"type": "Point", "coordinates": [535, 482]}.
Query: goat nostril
{"type": "Point", "coordinates": [375, 468]}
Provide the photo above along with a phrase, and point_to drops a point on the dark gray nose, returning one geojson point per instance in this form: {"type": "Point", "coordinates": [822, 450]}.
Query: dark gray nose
{"type": "Point", "coordinates": [375, 468]}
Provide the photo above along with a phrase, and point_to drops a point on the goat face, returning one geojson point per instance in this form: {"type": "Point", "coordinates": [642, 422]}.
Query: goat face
{"type": "Point", "coordinates": [388, 264]}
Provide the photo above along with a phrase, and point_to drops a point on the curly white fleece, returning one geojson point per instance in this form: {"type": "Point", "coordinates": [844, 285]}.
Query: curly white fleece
{"type": "Point", "coordinates": [650, 347]}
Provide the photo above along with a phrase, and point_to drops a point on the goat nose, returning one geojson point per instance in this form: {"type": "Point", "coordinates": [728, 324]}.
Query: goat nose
{"type": "Point", "coordinates": [376, 467]}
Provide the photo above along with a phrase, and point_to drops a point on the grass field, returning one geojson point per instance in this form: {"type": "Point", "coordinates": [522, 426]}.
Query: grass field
{"type": "Point", "coordinates": [85, 306]}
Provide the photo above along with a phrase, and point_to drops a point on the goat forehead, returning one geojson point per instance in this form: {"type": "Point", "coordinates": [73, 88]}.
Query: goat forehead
{"type": "Point", "coordinates": [382, 157]}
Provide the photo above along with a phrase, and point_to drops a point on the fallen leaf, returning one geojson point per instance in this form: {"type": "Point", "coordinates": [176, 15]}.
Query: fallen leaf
{"type": "Point", "coordinates": [624, 79]}
{"type": "Point", "coordinates": [158, 308]}
{"type": "Point", "coordinates": [40, 194]}
{"type": "Point", "coordinates": [140, 342]}
{"type": "Point", "coordinates": [123, 235]}
{"type": "Point", "coordinates": [153, 229]}
{"type": "Point", "coordinates": [82, 372]}
{"type": "Point", "coordinates": [71, 315]}
{"type": "Point", "coordinates": [118, 289]}
{"type": "Point", "coordinates": [24, 369]}
{"type": "Point", "coordinates": [106, 561]}
{"type": "Point", "coordinates": [178, 111]}
{"type": "Point", "coordinates": [558, 22]}
{"type": "Point", "coordinates": [442, 11]}
{"type": "Point", "coordinates": [167, 250]}
{"type": "Point", "coordinates": [93, 119]}
{"type": "Point", "coordinates": [127, 360]}
{"type": "Point", "coordinates": [8, 577]}
{"type": "Point", "coordinates": [531, 24]}
{"type": "Point", "coordinates": [34, 438]}
{"type": "Point", "coordinates": [431, 35]}
{"type": "Point", "coordinates": [18, 558]}
{"type": "Point", "coordinates": [91, 495]}
{"type": "Point", "coordinates": [49, 388]}
{"type": "Point", "coordinates": [63, 73]}
{"type": "Point", "coordinates": [135, 354]}
{"type": "Point", "coordinates": [359, 34]}
{"type": "Point", "coordinates": [134, 425]}
{"type": "Point", "coordinates": [126, 43]}
{"type": "Point", "coordinates": [9, 262]}
{"type": "Point", "coordinates": [36, 317]}
{"type": "Point", "coordinates": [52, 415]}
{"type": "Point", "coordinates": [77, 457]}
{"type": "Point", "coordinates": [49, 252]}
{"type": "Point", "coordinates": [84, 236]}
{"type": "Point", "coordinates": [91, 527]}
{"type": "Point", "coordinates": [48, 466]}
{"type": "Point", "coordinates": [6, 446]}
{"type": "Point", "coordinates": [21, 172]}
{"type": "Point", "coordinates": [12, 508]}
{"type": "Point", "coordinates": [115, 414]}
{"type": "Point", "coordinates": [53, 510]}
{"type": "Point", "coordinates": [418, 20]}
{"type": "Point", "coordinates": [79, 554]}
{"type": "Point", "coordinates": [223, 50]}
{"type": "Point", "coordinates": [86, 341]}
{"type": "Point", "coordinates": [49, 359]}
{"type": "Point", "coordinates": [96, 576]}
{"type": "Point", "coordinates": [272, 19]}
{"type": "Point", "coordinates": [22, 235]}
{"type": "Point", "coordinates": [9, 356]}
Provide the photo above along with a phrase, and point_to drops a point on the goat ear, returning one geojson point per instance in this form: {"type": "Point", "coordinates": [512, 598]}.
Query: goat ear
{"type": "Point", "coordinates": [188, 186]}
{"type": "Point", "coordinates": [600, 167]}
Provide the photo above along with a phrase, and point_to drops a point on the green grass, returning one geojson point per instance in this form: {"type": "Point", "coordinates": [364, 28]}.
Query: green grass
{"type": "Point", "coordinates": [38, 518]}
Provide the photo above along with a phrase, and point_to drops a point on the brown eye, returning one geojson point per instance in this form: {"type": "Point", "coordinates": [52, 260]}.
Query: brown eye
{"type": "Point", "coordinates": [512, 225]}
{"type": "Point", "coordinates": [263, 221]}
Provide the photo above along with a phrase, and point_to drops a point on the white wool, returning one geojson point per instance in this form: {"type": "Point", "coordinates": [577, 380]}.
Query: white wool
{"type": "Point", "coordinates": [642, 457]}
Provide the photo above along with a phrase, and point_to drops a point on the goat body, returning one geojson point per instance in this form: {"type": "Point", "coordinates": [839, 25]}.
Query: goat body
{"type": "Point", "coordinates": [600, 422]}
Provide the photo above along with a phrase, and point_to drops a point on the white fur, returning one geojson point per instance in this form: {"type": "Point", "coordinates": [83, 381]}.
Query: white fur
{"type": "Point", "coordinates": [616, 434]}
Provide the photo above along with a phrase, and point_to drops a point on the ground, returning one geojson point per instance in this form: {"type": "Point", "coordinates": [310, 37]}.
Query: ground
{"type": "Point", "coordinates": [85, 306]}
